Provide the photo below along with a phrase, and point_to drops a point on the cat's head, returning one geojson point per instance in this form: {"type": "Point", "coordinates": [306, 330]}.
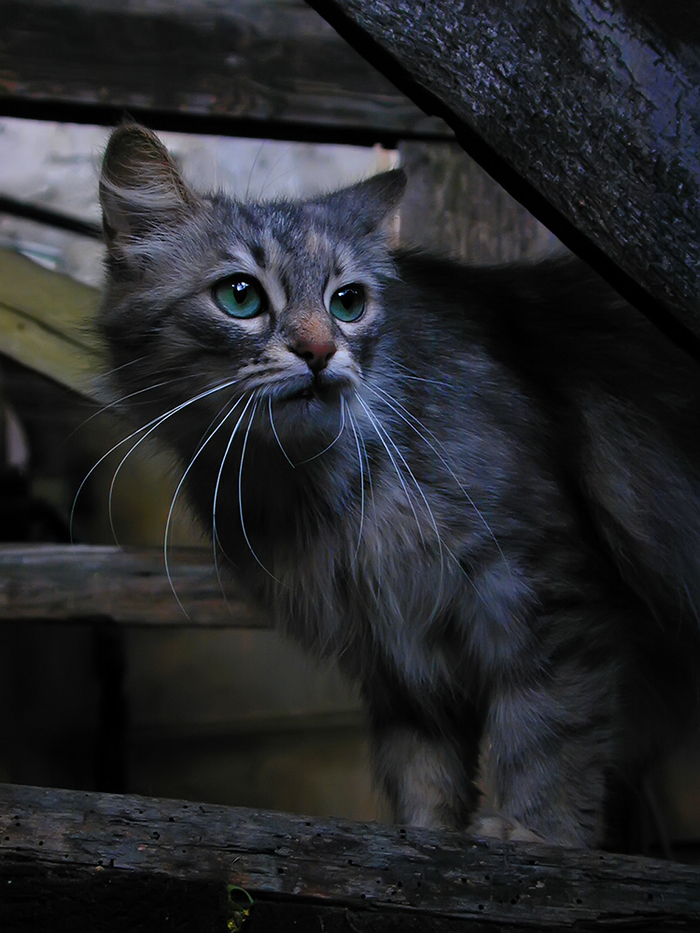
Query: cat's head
{"type": "Point", "coordinates": [280, 299]}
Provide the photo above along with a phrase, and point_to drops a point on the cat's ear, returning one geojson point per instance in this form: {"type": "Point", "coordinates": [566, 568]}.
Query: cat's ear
{"type": "Point", "coordinates": [366, 204]}
{"type": "Point", "coordinates": [140, 185]}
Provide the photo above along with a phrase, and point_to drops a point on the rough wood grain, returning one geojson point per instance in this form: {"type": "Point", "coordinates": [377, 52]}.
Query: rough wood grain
{"type": "Point", "coordinates": [253, 67]}
{"type": "Point", "coordinates": [366, 867]}
{"type": "Point", "coordinates": [588, 112]}
{"type": "Point", "coordinates": [46, 323]}
{"type": "Point", "coordinates": [454, 208]}
{"type": "Point", "coordinates": [64, 582]}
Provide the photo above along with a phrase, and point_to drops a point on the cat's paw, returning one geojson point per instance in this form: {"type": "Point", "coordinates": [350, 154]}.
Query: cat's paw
{"type": "Point", "coordinates": [497, 826]}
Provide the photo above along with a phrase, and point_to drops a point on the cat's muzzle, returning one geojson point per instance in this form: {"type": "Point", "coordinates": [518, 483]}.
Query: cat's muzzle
{"type": "Point", "coordinates": [320, 386]}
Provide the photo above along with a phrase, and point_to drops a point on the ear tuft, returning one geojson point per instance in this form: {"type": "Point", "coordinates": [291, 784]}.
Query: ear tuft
{"type": "Point", "coordinates": [386, 189]}
{"type": "Point", "coordinates": [140, 185]}
{"type": "Point", "coordinates": [366, 204]}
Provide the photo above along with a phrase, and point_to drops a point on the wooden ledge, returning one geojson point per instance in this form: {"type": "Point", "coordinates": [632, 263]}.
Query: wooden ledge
{"type": "Point", "coordinates": [369, 876]}
{"type": "Point", "coordinates": [126, 586]}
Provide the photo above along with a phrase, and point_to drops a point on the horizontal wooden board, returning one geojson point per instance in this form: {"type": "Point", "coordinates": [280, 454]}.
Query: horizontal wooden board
{"type": "Point", "coordinates": [373, 869]}
{"type": "Point", "coordinates": [73, 582]}
{"type": "Point", "coordinates": [259, 67]}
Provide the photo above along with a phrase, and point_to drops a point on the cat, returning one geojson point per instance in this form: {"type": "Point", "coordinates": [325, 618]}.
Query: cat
{"type": "Point", "coordinates": [478, 489]}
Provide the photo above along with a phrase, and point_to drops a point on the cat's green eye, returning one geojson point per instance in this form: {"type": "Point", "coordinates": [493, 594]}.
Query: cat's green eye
{"type": "Point", "coordinates": [348, 303]}
{"type": "Point", "coordinates": [240, 296]}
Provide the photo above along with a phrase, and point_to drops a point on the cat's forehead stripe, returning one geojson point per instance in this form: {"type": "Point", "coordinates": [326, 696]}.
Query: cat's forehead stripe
{"type": "Point", "coordinates": [316, 243]}
{"type": "Point", "coordinates": [293, 263]}
{"type": "Point", "coordinates": [257, 251]}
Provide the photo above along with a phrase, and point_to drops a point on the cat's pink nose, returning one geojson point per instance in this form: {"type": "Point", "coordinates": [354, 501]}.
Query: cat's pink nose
{"type": "Point", "coordinates": [315, 355]}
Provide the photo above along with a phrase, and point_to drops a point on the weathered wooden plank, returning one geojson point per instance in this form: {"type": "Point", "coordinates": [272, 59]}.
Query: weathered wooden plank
{"type": "Point", "coordinates": [588, 112]}
{"type": "Point", "coordinates": [46, 323]}
{"type": "Point", "coordinates": [72, 582]}
{"type": "Point", "coordinates": [45, 215]}
{"type": "Point", "coordinates": [366, 867]}
{"type": "Point", "coordinates": [266, 66]}
{"type": "Point", "coordinates": [454, 208]}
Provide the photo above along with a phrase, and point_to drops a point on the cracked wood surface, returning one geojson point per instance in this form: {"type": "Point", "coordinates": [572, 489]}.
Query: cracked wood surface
{"type": "Point", "coordinates": [368, 868]}
{"type": "Point", "coordinates": [129, 586]}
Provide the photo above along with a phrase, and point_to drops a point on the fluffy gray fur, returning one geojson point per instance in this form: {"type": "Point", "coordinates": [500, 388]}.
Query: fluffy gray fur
{"type": "Point", "coordinates": [481, 497]}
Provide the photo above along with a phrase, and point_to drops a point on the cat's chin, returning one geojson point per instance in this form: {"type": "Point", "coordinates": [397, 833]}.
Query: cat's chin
{"type": "Point", "coordinates": [307, 393]}
{"type": "Point", "coordinates": [306, 416]}
{"type": "Point", "coordinates": [325, 388]}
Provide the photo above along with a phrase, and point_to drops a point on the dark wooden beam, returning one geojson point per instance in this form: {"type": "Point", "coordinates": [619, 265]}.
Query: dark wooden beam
{"type": "Point", "coordinates": [587, 112]}
{"type": "Point", "coordinates": [72, 583]}
{"type": "Point", "coordinates": [269, 68]}
{"type": "Point", "coordinates": [387, 877]}
{"type": "Point", "coordinates": [43, 215]}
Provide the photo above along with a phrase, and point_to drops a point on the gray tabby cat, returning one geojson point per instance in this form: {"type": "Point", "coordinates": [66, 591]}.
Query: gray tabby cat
{"type": "Point", "coordinates": [477, 489]}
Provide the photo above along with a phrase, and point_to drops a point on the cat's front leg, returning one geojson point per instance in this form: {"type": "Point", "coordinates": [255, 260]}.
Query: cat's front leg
{"type": "Point", "coordinates": [549, 748]}
{"type": "Point", "coordinates": [428, 780]}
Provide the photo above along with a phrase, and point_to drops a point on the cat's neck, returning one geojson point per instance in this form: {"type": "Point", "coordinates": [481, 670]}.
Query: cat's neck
{"type": "Point", "coordinates": [263, 495]}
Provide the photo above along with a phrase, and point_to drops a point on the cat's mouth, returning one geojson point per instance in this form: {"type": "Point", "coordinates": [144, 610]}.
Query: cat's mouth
{"type": "Point", "coordinates": [305, 415]}
{"type": "Point", "coordinates": [308, 392]}
{"type": "Point", "coordinates": [313, 389]}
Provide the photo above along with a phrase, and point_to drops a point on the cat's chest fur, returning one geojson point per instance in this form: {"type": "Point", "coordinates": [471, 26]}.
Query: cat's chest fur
{"type": "Point", "coordinates": [376, 554]}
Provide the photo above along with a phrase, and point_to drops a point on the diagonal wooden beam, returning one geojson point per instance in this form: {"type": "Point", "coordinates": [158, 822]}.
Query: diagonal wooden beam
{"type": "Point", "coordinates": [588, 111]}
{"type": "Point", "coordinates": [46, 322]}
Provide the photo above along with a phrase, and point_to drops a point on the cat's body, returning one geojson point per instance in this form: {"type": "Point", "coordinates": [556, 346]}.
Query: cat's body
{"type": "Point", "coordinates": [481, 494]}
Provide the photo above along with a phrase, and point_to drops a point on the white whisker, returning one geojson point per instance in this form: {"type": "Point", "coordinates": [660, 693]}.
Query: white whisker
{"type": "Point", "coordinates": [378, 431]}
{"type": "Point", "coordinates": [117, 369]}
{"type": "Point", "coordinates": [132, 449]}
{"type": "Point", "coordinates": [274, 431]}
{"type": "Point", "coordinates": [124, 398]}
{"type": "Point", "coordinates": [216, 540]}
{"type": "Point", "coordinates": [252, 169]}
{"type": "Point", "coordinates": [335, 439]}
{"type": "Point", "coordinates": [362, 486]}
{"type": "Point", "coordinates": [180, 484]}
{"type": "Point", "coordinates": [379, 426]}
{"type": "Point", "coordinates": [128, 454]}
{"type": "Point", "coordinates": [240, 500]}
{"type": "Point", "coordinates": [409, 374]}
{"type": "Point", "coordinates": [398, 408]}
{"type": "Point", "coordinates": [378, 565]}
{"type": "Point", "coordinates": [149, 427]}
